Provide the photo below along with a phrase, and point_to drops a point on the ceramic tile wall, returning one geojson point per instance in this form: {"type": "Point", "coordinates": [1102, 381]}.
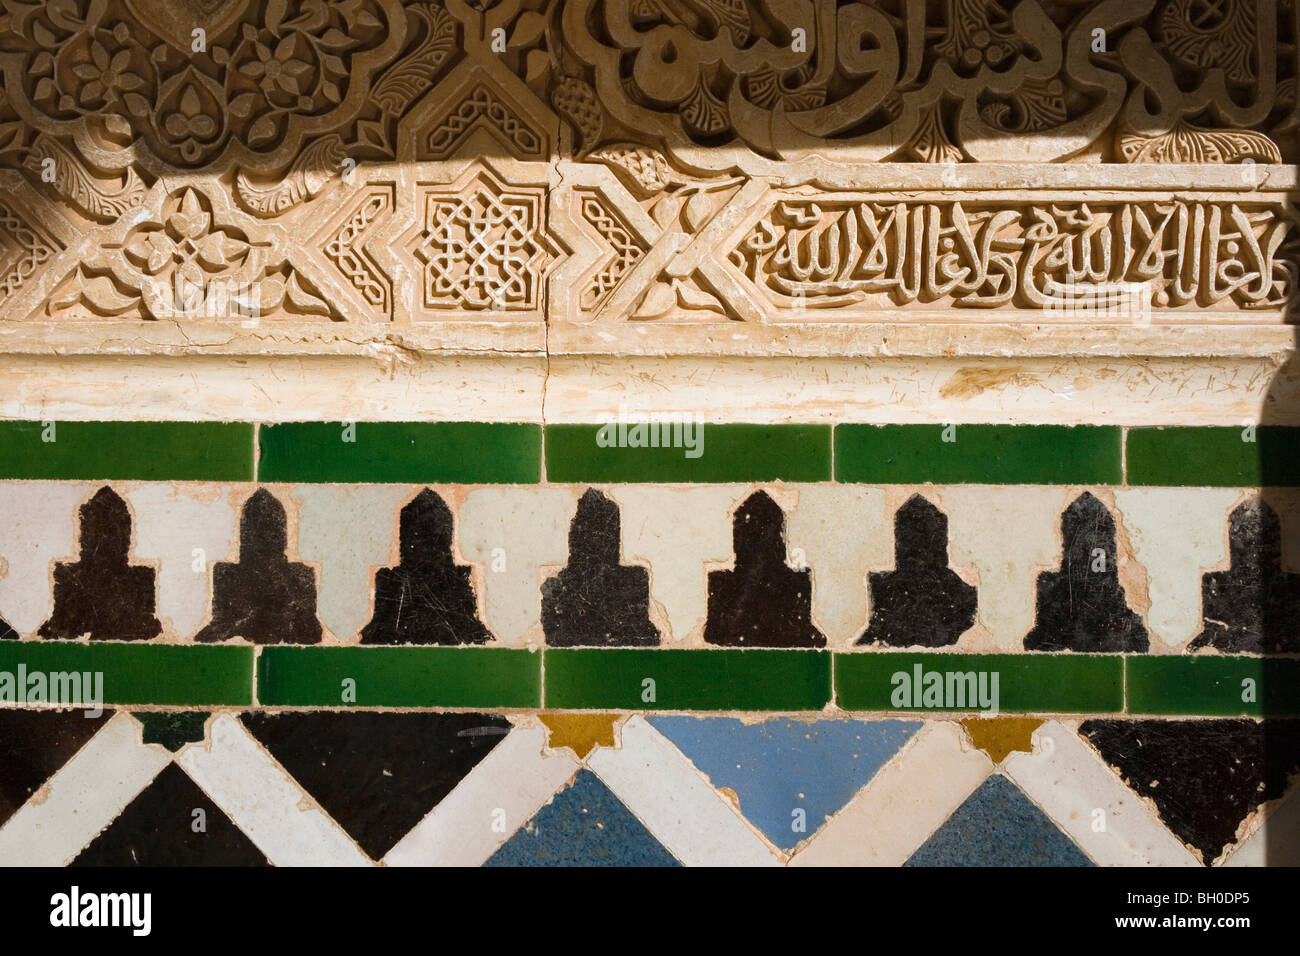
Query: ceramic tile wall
{"type": "Point", "coordinates": [411, 644]}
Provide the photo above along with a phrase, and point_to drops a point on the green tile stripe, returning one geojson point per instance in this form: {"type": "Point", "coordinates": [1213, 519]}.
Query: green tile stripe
{"type": "Point", "coordinates": [1214, 686]}
{"type": "Point", "coordinates": [126, 451]}
{"type": "Point", "coordinates": [401, 452]}
{"type": "Point", "coordinates": [399, 677]}
{"type": "Point", "coordinates": [979, 454]}
{"type": "Point", "coordinates": [1026, 683]}
{"type": "Point", "coordinates": [752, 679]}
{"type": "Point", "coordinates": [603, 453]}
{"type": "Point", "coordinates": [163, 674]}
{"type": "Point", "coordinates": [708, 680]}
{"type": "Point", "coordinates": [1263, 456]}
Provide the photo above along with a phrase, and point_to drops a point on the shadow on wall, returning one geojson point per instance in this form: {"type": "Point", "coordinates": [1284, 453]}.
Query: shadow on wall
{"type": "Point", "coordinates": [701, 85]}
{"type": "Point", "coordinates": [1275, 595]}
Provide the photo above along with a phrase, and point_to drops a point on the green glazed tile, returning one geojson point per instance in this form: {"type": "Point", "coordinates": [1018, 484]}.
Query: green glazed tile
{"type": "Point", "coordinates": [1214, 686]}
{"type": "Point", "coordinates": [144, 451]}
{"type": "Point", "coordinates": [725, 453]}
{"type": "Point", "coordinates": [399, 676]}
{"type": "Point", "coordinates": [164, 674]}
{"type": "Point", "coordinates": [1214, 457]}
{"type": "Point", "coordinates": [978, 454]}
{"type": "Point", "coordinates": [749, 679]}
{"type": "Point", "coordinates": [1026, 683]}
{"type": "Point", "coordinates": [401, 452]}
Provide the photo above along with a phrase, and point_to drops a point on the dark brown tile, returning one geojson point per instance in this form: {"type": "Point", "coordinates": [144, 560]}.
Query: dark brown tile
{"type": "Point", "coordinates": [922, 602]}
{"type": "Point", "coordinates": [596, 601]}
{"type": "Point", "coordinates": [1082, 606]}
{"type": "Point", "coordinates": [427, 598]}
{"type": "Point", "coordinates": [263, 597]}
{"type": "Point", "coordinates": [762, 602]}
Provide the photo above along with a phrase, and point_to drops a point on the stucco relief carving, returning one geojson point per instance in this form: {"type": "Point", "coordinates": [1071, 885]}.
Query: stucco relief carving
{"type": "Point", "coordinates": [968, 80]}
{"type": "Point", "coordinates": [511, 163]}
{"type": "Point", "coordinates": [875, 252]}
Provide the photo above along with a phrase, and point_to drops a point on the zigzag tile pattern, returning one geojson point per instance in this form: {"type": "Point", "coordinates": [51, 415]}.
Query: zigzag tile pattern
{"type": "Point", "coordinates": [665, 792]}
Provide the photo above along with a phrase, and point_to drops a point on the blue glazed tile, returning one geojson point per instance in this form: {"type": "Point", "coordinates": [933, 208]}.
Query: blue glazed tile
{"type": "Point", "coordinates": [781, 766]}
{"type": "Point", "coordinates": [998, 826]}
{"type": "Point", "coordinates": [583, 825]}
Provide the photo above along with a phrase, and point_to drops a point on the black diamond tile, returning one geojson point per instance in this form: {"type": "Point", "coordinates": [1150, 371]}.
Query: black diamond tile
{"type": "Point", "coordinates": [34, 744]}
{"type": "Point", "coordinates": [1204, 776]}
{"type": "Point", "coordinates": [171, 823]}
{"type": "Point", "coordinates": [377, 774]}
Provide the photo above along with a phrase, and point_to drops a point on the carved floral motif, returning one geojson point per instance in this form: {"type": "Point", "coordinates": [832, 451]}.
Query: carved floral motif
{"type": "Point", "coordinates": [188, 266]}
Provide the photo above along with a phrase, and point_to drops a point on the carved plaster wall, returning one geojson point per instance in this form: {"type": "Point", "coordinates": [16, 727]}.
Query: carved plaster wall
{"type": "Point", "coordinates": [390, 192]}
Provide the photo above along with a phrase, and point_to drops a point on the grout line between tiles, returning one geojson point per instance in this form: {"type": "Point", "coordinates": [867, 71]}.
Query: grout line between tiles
{"type": "Point", "coordinates": [1123, 456]}
{"type": "Point", "coordinates": [833, 702]}
{"type": "Point", "coordinates": [257, 451]}
{"type": "Point", "coordinates": [834, 478]}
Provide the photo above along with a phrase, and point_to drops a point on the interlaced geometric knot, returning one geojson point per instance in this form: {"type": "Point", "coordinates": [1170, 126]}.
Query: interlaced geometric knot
{"type": "Point", "coordinates": [22, 252]}
{"type": "Point", "coordinates": [627, 252]}
{"type": "Point", "coordinates": [482, 251]}
{"type": "Point", "coordinates": [345, 251]}
{"type": "Point", "coordinates": [481, 104]}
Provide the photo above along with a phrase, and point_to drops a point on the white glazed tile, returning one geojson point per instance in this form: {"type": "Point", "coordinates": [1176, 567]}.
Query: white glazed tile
{"type": "Point", "coordinates": [83, 797]}
{"type": "Point", "coordinates": [525, 529]}
{"type": "Point", "coordinates": [348, 531]}
{"type": "Point", "coordinates": [38, 526]}
{"type": "Point", "coordinates": [1177, 534]}
{"type": "Point", "coordinates": [1070, 783]}
{"type": "Point", "coordinates": [664, 790]}
{"type": "Point", "coordinates": [181, 528]}
{"type": "Point", "coordinates": [264, 801]}
{"type": "Point", "coordinates": [844, 532]}
{"type": "Point", "coordinates": [911, 797]}
{"type": "Point", "coordinates": [509, 785]}
{"type": "Point", "coordinates": [676, 531]}
{"type": "Point", "coordinates": [1009, 534]}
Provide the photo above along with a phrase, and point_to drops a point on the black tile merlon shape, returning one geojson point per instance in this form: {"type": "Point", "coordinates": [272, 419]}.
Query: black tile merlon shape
{"type": "Point", "coordinates": [1254, 606]}
{"type": "Point", "coordinates": [377, 774]}
{"type": "Point", "coordinates": [1082, 606]}
{"type": "Point", "coordinates": [1204, 776]}
{"type": "Point", "coordinates": [171, 823]}
{"type": "Point", "coordinates": [102, 594]}
{"type": "Point", "coordinates": [595, 601]}
{"type": "Point", "coordinates": [762, 602]}
{"type": "Point", "coordinates": [428, 597]}
{"type": "Point", "coordinates": [263, 597]}
{"type": "Point", "coordinates": [7, 633]}
{"type": "Point", "coordinates": [34, 744]}
{"type": "Point", "coordinates": [922, 602]}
